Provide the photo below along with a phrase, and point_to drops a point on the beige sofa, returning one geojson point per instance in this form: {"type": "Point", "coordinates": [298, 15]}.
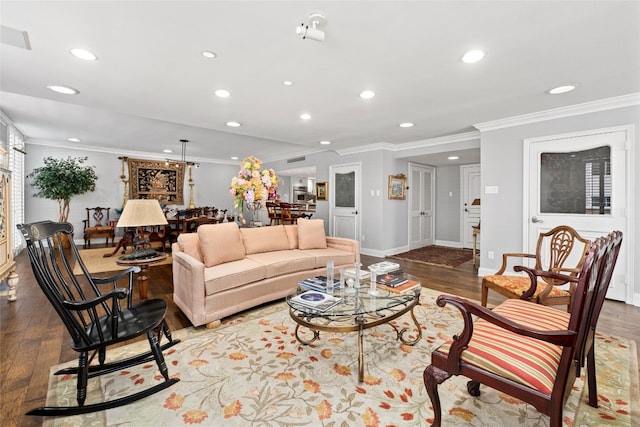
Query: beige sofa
{"type": "Point", "coordinates": [223, 269]}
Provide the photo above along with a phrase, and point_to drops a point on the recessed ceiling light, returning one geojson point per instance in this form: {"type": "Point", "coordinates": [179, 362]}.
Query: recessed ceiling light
{"type": "Point", "coordinates": [406, 125]}
{"type": "Point", "coordinates": [367, 94]}
{"type": "Point", "coordinates": [83, 54]}
{"type": "Point", "coordinates": [453, 158]}
{"type": "Point", "coordinates": [73, 139]}
{"type": "Point", "coordinates": [305, 116]}
{"type": "Point", "coordinates": [287, 83]}
{"type": "Point", "coordinates": [234, 157]}
{"type": "Point", "coordinates": [222, 93]}
{"type": "Point", "coordinates": [472, 56]}
{"type": "Point", "coordinates": [234, 124]}
{"type": "Point", "coordinates": [166, 150]}
{"type": "Point", "coordinates": [563, 89]}
{"type": "Point", "coordinates": [325, 142]}
{"type": "Point", "coordinates": [63, 89]}
{"type": "Point", "coordinates": [209, 54]}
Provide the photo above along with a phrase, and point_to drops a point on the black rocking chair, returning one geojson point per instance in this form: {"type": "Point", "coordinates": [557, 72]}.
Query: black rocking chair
{"type": "Point", "coordinates": [94, 319]}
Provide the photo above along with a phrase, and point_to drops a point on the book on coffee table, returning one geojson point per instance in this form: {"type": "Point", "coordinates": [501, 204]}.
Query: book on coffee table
{"type": "Point", "coordinates": [408, 285]}
{"type": "Point", "coordinates": [391, 280]}
{"type": "Point", "coordinates": [318, 283]}
{"type": "Point", "coordinates": [316, 300]}
{"type": "Point", "coordinates": [386, 266]}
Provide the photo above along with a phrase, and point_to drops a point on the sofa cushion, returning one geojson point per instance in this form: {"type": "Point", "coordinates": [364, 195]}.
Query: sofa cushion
{"type": "Point", "coordinates": [292, 235]}
{"type": "Point", "coordinates": [279, 263]}
{"type": "Point", "coordinates": [311, 234]}
{"type": "Point", "coordinates": [264, 239]}
{"type": "Point", "coordinates": [190, 244]}
{"type": "Point", "coordinates": [232, 274]}
{"type": "Point", "coordinates": [339, 256]}
{"type": "Point", "coordinates": [220, 243]}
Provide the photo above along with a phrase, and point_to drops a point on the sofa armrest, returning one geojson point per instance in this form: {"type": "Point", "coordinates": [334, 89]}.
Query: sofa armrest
{"type": "Point", "coordinates": [345, 244]}
{"type": "Point", "coordinates": [188, 287]}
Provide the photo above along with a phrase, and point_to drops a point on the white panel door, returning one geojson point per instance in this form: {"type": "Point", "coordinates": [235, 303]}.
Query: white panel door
{"type": "Point", "coordinates": [580, 180]}
{"type": "Point", "coordinates": [421, 197]}
{"type": "Point", "coordinates": [470, 176]}
{"type": "Point", "coordinates": [344, 197]}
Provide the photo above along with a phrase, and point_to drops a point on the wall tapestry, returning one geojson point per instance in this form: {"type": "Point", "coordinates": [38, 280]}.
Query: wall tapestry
{"type": "Point", "coordinates": [155, 179]}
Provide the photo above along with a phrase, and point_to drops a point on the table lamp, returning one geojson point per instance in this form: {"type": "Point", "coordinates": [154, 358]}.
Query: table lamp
{"type": "Point", "coordinates": [139, 213]}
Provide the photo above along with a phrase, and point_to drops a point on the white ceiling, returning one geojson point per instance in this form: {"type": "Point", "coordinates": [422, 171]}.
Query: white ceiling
{"type": "Point", "coordinates": [151, 87]}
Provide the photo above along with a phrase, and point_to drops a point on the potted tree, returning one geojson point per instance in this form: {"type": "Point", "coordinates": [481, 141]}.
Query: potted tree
{"type": "Point", "coordinates": [61, 179]}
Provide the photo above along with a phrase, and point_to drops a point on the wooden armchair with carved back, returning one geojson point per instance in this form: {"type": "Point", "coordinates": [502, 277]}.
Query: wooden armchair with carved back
{"type": "Point", "coordinates": [559, 250]}
{"type": "Point", "coordinates": [97, 226]}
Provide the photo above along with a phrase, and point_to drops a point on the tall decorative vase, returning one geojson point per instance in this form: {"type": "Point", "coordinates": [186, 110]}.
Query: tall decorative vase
{"type": "Point", "coordinates": [254, 208]}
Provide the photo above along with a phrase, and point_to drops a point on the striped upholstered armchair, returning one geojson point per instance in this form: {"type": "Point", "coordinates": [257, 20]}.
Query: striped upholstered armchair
{"type": "Point", "coordinates": [526, 350]}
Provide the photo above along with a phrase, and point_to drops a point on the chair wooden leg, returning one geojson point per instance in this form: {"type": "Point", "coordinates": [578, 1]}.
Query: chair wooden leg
{"type": "Point", "coordinates": [473, 387]}
{"type": "Point", "coordinates": [432, 378]}
{"type": "Point", "coordinates": [591, 377]}
{"type": "Point", "coordinates": [82, 378]}
{"type": "Point", "coordinates": [157, 355]}
{"type": "Point", "coordinates": [485, 295]}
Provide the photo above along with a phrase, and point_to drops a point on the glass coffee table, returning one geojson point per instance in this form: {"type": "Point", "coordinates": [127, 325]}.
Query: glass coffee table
{"type": "Point", "coordinates": [356, 312]}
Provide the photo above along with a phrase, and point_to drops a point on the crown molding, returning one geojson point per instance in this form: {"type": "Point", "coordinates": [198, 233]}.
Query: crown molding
{"type": "Point", "coordinates": [558, 113]}
{"type": "Point", "coordinates": [431, 142]}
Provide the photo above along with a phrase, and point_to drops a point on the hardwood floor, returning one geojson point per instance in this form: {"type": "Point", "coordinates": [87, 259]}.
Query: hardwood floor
{"type": "Point", "coordinates": [32, 338]}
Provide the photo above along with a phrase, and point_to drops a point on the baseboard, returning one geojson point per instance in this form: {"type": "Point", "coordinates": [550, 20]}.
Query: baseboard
{"type": "Point", "coordinates": [448, 243]}
{"type": "Point", "coordinates": [381, 254]}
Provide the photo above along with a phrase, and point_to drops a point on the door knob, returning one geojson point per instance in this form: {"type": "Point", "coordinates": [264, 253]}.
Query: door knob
{"type": "Point", "coordinates": [535, 220]}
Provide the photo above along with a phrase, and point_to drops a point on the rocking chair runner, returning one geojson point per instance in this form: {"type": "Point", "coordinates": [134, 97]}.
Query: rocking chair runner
{"type": "Point", "coordinates": [529, 351]}
{"type": "Point", "coordinates": [94, 319]}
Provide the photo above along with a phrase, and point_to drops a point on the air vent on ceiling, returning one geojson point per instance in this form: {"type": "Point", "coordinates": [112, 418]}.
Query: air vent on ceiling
{"type": "Point", "coordinates": [15, 38]}
{"type": "Point", "coordinates": [297, 159]}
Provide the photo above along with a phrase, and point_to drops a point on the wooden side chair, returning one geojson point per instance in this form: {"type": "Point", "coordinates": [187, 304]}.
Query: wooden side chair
{"type": "Point", "coordinates": [97, 226]}
{"type": "Point", "coordinates": [286, 214]}
{"type": "Point", "coordinates": [97, 314]}
{"type": "Point", "coordinates": [529, 351]}
{"type": "Point", "coordinates": [554, 250]}
{"type": "Point", "coordinates": [273, 213]}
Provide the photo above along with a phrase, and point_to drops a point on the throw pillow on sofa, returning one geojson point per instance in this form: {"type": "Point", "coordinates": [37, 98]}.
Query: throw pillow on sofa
{"type": "Point", "coordinates": [190, 245]}
{"type": "Point", "coordinates": [264, 239]}
{"type": "Point", "coordinates": [311, 234]}
{"type": "Point", "coordinates": [220, 243]}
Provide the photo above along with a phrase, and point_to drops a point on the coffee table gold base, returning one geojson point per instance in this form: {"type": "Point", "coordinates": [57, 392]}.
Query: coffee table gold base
{"type": "Point", "coordinates": [360, 325]}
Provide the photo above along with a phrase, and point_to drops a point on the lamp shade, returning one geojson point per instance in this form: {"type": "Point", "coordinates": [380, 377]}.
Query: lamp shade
{"type": "Point", "coordinates": [476, 202]}
{"type": "Point", "coordinates": [140, 212]}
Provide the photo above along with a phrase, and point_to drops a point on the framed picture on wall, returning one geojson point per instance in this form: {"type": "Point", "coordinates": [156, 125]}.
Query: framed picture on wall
{"type": "Point", "coordinates": [397, 186]}
{"type": "Point", "coordinates": [321, 190]}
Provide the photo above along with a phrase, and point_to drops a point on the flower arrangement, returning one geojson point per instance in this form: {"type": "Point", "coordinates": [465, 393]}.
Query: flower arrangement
{"type": "Point", "coordinates": [252, 185]}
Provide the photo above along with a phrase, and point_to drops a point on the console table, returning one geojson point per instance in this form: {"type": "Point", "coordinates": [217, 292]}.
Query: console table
{"type": "Point", "coordinates": [475, 233]}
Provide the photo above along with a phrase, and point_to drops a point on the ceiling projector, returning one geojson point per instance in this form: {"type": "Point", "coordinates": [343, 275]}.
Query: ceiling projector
{"type": "Point", "coordinates": [310, 30]}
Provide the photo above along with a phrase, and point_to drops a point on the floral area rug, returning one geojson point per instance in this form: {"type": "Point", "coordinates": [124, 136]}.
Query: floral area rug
{"type": "Point", "coordinates": [252, 371]}
{"type": "Point", "coordinates": [437, 255]}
